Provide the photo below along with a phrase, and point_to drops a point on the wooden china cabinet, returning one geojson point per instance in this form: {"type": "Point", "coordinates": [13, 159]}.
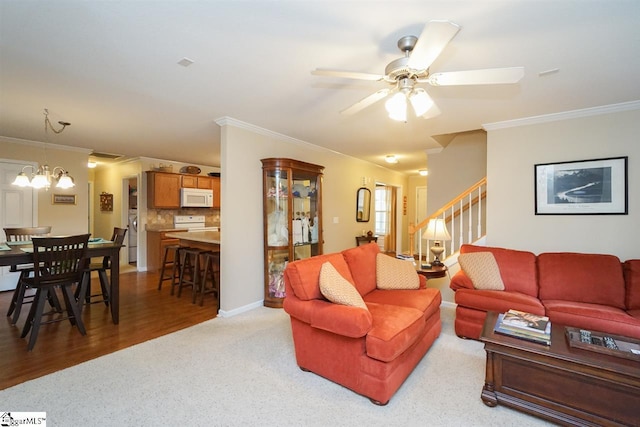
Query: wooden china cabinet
{"type": "Point", "coordinates": [292, 217]}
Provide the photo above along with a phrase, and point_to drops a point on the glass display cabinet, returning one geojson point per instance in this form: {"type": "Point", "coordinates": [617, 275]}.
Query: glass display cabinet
{"type": "Point", "coordinates": [292, 215]}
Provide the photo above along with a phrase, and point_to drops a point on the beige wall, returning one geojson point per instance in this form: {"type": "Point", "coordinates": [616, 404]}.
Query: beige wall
{"type": "Point", "coordinates": [512, 154]}
{"type": "Point", "coordinates": [241, 205]}
{"type": "Point", "coordinates": [64, 219]}
{"type": "Point", "coordinates": [462, 163]}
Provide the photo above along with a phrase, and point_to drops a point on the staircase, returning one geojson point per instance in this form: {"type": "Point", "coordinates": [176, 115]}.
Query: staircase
{"type": "Point", "coordinates": [465, 220]}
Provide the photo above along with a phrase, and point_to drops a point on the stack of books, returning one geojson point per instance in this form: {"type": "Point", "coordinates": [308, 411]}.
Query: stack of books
{"type": "Point", "coordinates": [526, 326]}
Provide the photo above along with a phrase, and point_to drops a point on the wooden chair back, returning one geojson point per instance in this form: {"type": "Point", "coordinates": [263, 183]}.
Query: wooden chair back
{"type": "Point", "coordinates": [63, 259]}
{"type": "Point", "coordinates": [24, 234]}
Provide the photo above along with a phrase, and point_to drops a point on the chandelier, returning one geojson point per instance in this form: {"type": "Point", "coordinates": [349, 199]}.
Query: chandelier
{"type": "Point", "coordinates": [43, 176]}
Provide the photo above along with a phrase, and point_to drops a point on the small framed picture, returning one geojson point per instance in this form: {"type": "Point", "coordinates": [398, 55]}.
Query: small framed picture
{"type": "Point", "coordinates": [63, 199]}
{"type": "Point", "coordinates": [582, 187]}
{"type": "Point", "coordinates": [106, 202]}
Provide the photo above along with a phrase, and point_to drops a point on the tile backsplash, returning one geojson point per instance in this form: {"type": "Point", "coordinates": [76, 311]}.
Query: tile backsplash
{"type": "Point", "coordinates": [164, 217]}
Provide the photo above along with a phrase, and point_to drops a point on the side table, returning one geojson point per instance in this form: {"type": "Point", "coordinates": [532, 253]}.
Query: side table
{"type": "Point", "coordinates": [366, 239]}
{"type": "Point", "coordinates": [435, 272]}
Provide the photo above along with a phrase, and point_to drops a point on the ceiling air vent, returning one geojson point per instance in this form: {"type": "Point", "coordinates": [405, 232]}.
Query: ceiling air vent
{"type": "Point", "coordinates": [106, 155]}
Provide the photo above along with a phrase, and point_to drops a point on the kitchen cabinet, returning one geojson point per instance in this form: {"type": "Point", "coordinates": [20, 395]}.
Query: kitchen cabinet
{"type": "Point", "coordinates": [292, 217]}
{"type": "Point", "coordinates": [156, 243]}
{"type": "Point", "coordinates": [163, 190]}
{"type": "Point", "coordinates": [194, 181]}
{"type": "Point", "coordinates": [215, 186]}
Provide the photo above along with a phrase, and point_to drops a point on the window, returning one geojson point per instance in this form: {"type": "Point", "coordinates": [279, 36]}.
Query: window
{"type": "Point", "coordinates": [382, 211]}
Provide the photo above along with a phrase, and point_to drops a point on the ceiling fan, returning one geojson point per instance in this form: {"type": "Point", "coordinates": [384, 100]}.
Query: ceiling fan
{"type": "Point", "coordinates": [406, 73]}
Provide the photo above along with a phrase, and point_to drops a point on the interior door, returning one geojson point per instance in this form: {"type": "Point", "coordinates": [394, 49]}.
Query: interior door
{"type": "Point", "coordinates": [16, 210]}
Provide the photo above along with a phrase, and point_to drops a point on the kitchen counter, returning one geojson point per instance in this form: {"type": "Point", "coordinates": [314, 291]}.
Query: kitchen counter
{"type": "Point", "coordinates": [206, 237]}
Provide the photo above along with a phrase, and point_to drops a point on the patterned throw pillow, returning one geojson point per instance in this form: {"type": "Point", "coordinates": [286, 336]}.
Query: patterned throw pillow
{"type": "Point", "coordinates": [337, 289]}
{"type": "Point", "coordinates": [482, 269]}
{"type": "Point", "coordinates": [394, 273]}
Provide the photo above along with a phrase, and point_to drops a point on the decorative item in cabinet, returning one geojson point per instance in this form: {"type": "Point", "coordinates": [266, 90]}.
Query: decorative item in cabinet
{"type": "Point", "coordinates": [292, 217]}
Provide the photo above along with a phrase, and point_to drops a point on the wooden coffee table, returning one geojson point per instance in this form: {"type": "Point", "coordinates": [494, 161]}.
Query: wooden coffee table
{"type": "Point", "coordinates": [569, 386]}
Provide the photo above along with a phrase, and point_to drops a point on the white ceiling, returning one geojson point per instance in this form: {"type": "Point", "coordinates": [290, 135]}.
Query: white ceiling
{"type": "Point", "coordinates": [111, 69]}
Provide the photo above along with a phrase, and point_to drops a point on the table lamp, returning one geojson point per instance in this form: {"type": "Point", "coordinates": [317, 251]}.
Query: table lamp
{"type": "Point", "coordinates": [436, 231]}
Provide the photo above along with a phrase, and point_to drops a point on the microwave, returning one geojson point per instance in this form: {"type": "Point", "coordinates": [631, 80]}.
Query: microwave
{"type": "Point", "coordinates": [196, 198]}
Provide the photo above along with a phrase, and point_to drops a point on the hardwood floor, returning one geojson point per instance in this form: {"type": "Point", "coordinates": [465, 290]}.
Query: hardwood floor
{"type": "Point", "coordinates": [145, 313]}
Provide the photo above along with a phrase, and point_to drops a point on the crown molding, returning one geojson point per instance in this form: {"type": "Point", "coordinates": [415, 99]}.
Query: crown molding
{"type": "Point", "coordinates": [43, 144]}
{"type": "Point", "coordinates": [230, 121]}
{"type": "Point", "coordinates": [565, 115]}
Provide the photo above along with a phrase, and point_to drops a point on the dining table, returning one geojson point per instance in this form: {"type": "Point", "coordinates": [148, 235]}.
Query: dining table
{"type": "Point", "coordinates": [16, 253]}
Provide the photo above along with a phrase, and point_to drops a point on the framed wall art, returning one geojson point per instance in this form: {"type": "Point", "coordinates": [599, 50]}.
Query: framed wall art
{"type": "Point", "coordinates": [63, 199]}
{"type": "Point", "coordinates": [106, 202]}
{"type": "Point", "coordinates": [582, 187]}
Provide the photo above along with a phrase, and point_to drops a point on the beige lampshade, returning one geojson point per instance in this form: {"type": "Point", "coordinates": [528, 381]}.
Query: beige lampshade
{"type": "Point", "coordinates": [436, 230]}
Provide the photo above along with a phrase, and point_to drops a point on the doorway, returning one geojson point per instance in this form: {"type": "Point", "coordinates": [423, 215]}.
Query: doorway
{"type": "Point", "coordinates": [130, 206]}
{"type": "Point", "coordinates": [18, 208]}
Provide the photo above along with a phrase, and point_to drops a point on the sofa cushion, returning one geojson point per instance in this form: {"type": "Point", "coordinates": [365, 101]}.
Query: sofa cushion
{"type": "Point", "coordinates": [394, 330]}
{"type": "Point", "coordinates": [498, 301]}
{"type": "Point", "coordinates": [482, 269]}
{"type": "Point", "coordinates": [517, 268]}
{"type": "Point", "coordinates": [394, 273]}
{"type": "Point", "coordinates": [632, 284]}
{"type": "Point", "coordinates": [337, 289]}
{"type": "Point", "coordinates": [595, 317]}
{"type": "Point", "coordinates": [580, 277]}
{"type": "Point", "coordinates": [427, 300]}
{"type": "Point", "coordinates": [304, 275]}
{"type": "Point", "coordinates": [362, 263]}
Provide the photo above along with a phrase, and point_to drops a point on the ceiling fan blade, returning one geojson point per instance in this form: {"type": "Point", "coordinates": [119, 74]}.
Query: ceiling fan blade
{"type": "Point", "coordinates": [346, 74]}
{"type": "Point", "coordinates": [490, 76]}
{"type": "Point", "coordinates": [435, 36]}
{"type": "Point", "coordinates": [364, 103]}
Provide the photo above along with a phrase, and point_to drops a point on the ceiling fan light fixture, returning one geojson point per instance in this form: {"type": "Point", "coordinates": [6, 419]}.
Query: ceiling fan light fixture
{"type": "Point", "coordinates": [397, 107]}
{"type": "Point", "coordinates": [420, 101]}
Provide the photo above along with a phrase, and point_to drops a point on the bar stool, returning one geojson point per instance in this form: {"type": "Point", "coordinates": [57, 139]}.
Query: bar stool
{"type": "Point", "coordinates": [171, 259]}
{"type": "Point", "coordinates": [211, 276]}
{"type": "Point", "coordinates": [190, 270]}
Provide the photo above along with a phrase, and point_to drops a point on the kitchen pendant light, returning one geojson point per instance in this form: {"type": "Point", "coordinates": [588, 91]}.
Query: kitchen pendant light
{"type": "Point", "coordinates": [43, 176]}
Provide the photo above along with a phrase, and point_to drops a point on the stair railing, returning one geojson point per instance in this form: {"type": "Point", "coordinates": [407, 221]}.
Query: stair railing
{"type": "Point", "coordinates": [463, 216]}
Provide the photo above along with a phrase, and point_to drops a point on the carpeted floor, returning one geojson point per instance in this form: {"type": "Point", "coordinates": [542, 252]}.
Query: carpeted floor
{"type": "Point", "coordinates": [241, 371]}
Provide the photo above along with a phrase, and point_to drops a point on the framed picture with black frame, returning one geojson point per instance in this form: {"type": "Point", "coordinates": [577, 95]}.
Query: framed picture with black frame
{"type": "Point", "coordinates": [582, 187]}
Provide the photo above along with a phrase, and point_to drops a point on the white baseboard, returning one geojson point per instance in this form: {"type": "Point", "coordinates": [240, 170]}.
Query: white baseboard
{"type": "Point", "coordinates": [448, 304]}
{"type": "Point", "coordinates": [240, 310]}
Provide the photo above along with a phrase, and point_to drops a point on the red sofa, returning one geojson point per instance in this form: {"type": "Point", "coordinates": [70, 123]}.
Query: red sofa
{"type": "Point", "coordinates": [369, 351]}
{"type": "Point", "coordinates": [590, 291]}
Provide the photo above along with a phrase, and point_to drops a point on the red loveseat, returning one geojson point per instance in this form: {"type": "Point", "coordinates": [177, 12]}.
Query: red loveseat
{"type": "Point", "coordinates": [590, 291]}
{"type": "Point", "coordinates": [369, 351]}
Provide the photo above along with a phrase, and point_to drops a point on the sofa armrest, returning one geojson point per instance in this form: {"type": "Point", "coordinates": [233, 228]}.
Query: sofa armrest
{"type": "Point", "coordinates": [352, 322]}
{"type": "Point", "coordinates": [460, 281]}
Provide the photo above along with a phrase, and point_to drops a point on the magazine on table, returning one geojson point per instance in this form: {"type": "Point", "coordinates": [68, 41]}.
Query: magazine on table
{"type": "Point", "coordinates": [540, 338]}
{"type": "Point", "coordinates": [520, 320]}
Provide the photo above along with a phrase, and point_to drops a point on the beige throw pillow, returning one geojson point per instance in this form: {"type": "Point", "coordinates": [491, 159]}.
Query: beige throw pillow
{"type": "Point", "coordinates": [394, 273]}
{"type": "Point", "coordinates": [482, 269]}
{"type": "Point", "coordinates": [337, 289]}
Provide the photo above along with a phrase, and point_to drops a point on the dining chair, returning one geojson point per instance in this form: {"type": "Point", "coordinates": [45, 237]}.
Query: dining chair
{"type": "Point", "coordinates": [63, 261]}
{"type": "Point", "coordinates": [100, 267]}
{"type": "Point", "coordinates": [24, 234]}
